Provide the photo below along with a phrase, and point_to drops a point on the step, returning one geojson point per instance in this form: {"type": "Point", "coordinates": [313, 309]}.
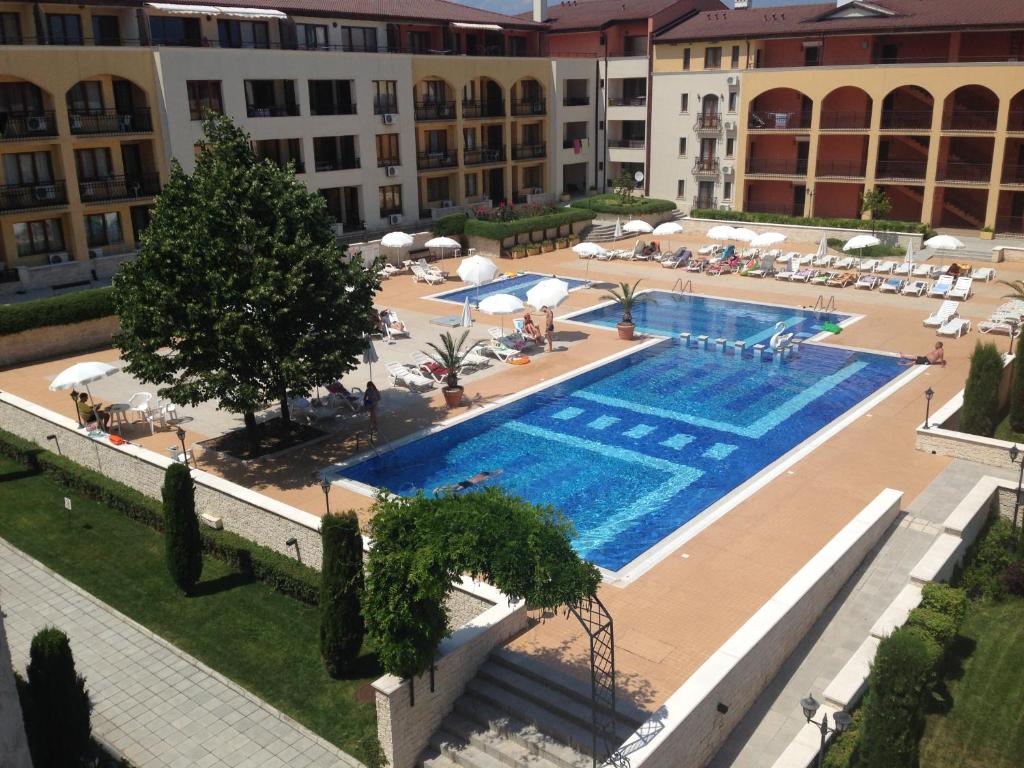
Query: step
{"type": "Point", "coordinates": [434, 759]}
{"type": "Point", "coordinates": [457, 729]}
{"type": "Point", "coordinates": [485, 715]}
{"type": "Point", "coordinates": [470, 755]}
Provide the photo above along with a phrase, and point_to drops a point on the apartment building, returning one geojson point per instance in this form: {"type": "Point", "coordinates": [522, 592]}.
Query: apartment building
{"type": "Point", "coordinates": [913, 97]}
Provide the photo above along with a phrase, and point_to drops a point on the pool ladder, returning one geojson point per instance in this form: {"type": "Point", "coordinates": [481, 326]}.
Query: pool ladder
{"type": "Point", "coordinates": [679, 288]}
{"type": "Point", "coordinates": [823, 306]}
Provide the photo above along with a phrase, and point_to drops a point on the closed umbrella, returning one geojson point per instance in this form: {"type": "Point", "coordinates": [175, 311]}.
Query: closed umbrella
{"type": "Point", "coordinates": [908, 257]}
{"type": "Point", "coordinates": [822, 251]}
{"type": "Point", "coordinates": [466, 321]}
{"type": "Point", "coordinates": [81, 374]}
{"type": "Point", "coordinates": [547, 293]}
{"type": "Point", "coordinates": [744, 234]}
{"type": "Point", "coordinates": [501, 304]}
{"type": "Point", "coordinates": [638, 226]}
{"type": "Point", "coordinates": [477, 270]}
{"type": "Point", "coordinates": [767, 238]}
{"type": "Point", "coordinates": [668, 228]}
{"type": "Point", "coordinates": [722, 232]}
{"type": "Point", "coordinates": [370, 355]}
{"type": "Point", "coordinates": [618, 229]}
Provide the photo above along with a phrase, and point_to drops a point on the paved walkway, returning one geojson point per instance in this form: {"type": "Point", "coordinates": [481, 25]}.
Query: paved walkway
{"type": "Point", "coordinates": [153, 704]}
{"type": "Point", "coordinates": [775, 718]}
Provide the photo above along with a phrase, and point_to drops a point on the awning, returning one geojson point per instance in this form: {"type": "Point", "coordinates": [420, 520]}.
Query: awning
{"type": "Point", "coordinates": [468, 25]}
{"type": "Point", "coordinates": [179, 9]}
{"type": "Point", "coordinates": [187, 10]}
{"type": "Point", "coordinates": [252, 13]}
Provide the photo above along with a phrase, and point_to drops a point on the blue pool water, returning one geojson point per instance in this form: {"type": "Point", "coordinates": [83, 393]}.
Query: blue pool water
{"type": "Point", "coordinates": [517, 286]}
{"type": "Point", "coordinates": [634, 449]}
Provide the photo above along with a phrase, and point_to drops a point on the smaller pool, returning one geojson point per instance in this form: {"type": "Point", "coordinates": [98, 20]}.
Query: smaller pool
{"type": "Point", "coordinates": [517, 286]}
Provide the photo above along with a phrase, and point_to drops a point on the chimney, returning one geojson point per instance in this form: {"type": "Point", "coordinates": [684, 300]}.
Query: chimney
{"type": "Point", "coordinates": [741, 4]}
{"type": "Point", "coordinates": [540, 10]}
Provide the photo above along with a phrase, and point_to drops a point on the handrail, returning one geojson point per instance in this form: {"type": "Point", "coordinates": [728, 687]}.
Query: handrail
{"type": "Point", "coordinates": [684, 288]}
{"type": "Point", "coordinates": [824, 307]}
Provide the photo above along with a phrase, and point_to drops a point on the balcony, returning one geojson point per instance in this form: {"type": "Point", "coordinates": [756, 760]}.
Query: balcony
{"type": "Point", "coordinates": [473, 109]}
{"type": "Point", "coordinates": [435, 110]}
{"type": "Point", "coordinates": [762, 120]}
{"type": "Point", "coordinates": [627, 143]}
{"type": "Point", "coordinates": [708, 125]}
{"type": "Point", "coordinates": [571, 142]}
{"type": "Point", "coordinates": [96, 121]}
{"type": "Point", "coordinates": [27, 125]}
{"type": "Point", "coordinates": [336, 163]}
{"type": "Point", "coordinates": [387, 161]}
{"type": "Point", "coordinates": [483, 155]}
{"type": "Point", "coordinates": [841, 169]}
{"type": "Point", "coordinates": [903, 119]}
{"type": "Point", "coordinates": [772, 166]}
{"type": "Point", "coordinates": [272, 110]}
{"type": "Point", "coordinates": [529, 151]}
{"type": "Point", "coordinates": [1015, 123]}
{"type": "Point", "coordinates": [426, 161]}
{"type": "Point", "coordinates": [119, 188]}
{"type": "Point", "coordinates": [385, 105]}
{"type": "Point", "coordinates": [1007, 223]}
{"type": "Point", "coordinates": [839, 120]}
{"type": "Point", "coordinates": [975, 173]}
{"type": "Point", "coordinates": [705, 166]}
{"type": "Point", "coordinates": [528, 107]}
{"type": "Point", "coordinates": [22, 197]}
{"type": "Point", "coordinates": [576, 101]}
{"type": "Point", "coordinates": [705, 203]}
{"type": "Point", "coordinates": [974, 121]}
{"type": "Point", "coordinates": [627, 101]}
{"type": "Point", "coordinates": [1013, 174]}
{"type": "Point", "coordinates": [901, 169]}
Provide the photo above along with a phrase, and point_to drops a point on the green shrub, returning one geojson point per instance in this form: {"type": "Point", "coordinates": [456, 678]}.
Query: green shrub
{"type": "Point", "coordinates": [980, 412]}
{"type": "Point", "coordinates": [901, 677]}
{"type": "Point", "coordinates": [57, 718]}
{"type": "Point", "coordinates": [987, 559]}
{"type": "Point", "coordinates": [1017, 389]}
{"type": "Point", "coordinates": [341, 580]}
{"type": "Point", "coordinates": [880, 225]}
{"type": "Point", "coordinates": [499, 230]}
{"type": "Point", "coordinates": [612, 204]}
{"type": "Point", "coordinates": [842, 752]}
{"type": "Point", "coordinates": [61, 310]}
{"type": "Point", "coordinates": [947, 600]}
{"type": "Point", "coordinates": [449, 226]}
{"type": "Point", "coordinates": [939, 626]}
{"type": "Point", "coordinates": [184, 552]}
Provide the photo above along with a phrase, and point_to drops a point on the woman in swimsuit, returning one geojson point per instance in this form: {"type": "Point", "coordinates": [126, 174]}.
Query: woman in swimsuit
{"type": "Point", "coordinates": [530, 329]}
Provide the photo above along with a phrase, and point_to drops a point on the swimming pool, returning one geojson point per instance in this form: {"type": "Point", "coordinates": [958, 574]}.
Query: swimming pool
{"type": "Point", "coordinates": [517, 286]}
{"type": "Point", "coordinates": [634, 449]}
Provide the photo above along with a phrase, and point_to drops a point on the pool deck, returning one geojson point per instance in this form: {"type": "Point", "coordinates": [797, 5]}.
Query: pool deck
{"type": "Point", "coordinates": [676, 614]}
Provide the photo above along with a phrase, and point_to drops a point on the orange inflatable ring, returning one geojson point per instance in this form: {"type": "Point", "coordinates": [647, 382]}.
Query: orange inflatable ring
{"type": "Point", "coordinates": [520, 360]}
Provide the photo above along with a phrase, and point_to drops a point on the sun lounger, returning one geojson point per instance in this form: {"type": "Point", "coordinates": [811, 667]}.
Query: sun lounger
{"type": "Point", "coordinates": [956, 328]}
{"type": "Point", "coordinates": [961, 289]}
{"type": "Point", "coordinates": [822, 261]}
{"type": "Point", "coordinates": [1000, 323]}
{"type": "Point", "coordinates": [915, 288]}
{"type": "Point", "coordinates": [843, 262]}
{"type": "Point", "coordinates": [708, 250]}
{"type": "Point", "coordinates": [946, 311]}
{"type": "Point", "coordinates": [420, 275]}
{"type": "Point", "coordinates": [804, 275]}
{"type": "Point", "coordinates": [473, 359]}
{"type": "Point", "coordinates": [925, 270]}
{"type": "Point", "coordinates": [387, 271]}
{"type": "Point", "coordinates": [903, 268]}
{"type": "Point", "coordinates": [678, 259]}
{"type": "Point", "coordinates": [841, 280]}
{"type": "Point", "coordinates": [822, 278]}
{"type": "Point", "coordinates": [941, 287]}
{"type": "Point", "coordinates": [403, 374]}
{"type": "Point", "coordinates": [867, 282]}
{"type": "Point", "coordinates": [867, 265]}
{"type": "Point", "coordinates": [428, 367]}
{"type": "Point", "coordinates": [765, 268]}
{"type": "Point", "coordinates": [885, 267]}
{"type": "Point", "coordinates": [501, 351]}
{"type": "Point", "coordinates": [892, 285]}
{"type": "Point", "coordinates": [983, 273]}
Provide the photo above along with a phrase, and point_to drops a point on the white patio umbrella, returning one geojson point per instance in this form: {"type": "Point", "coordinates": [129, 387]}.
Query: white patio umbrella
{"type": "Point", "coordinates": [943, 243]}
{"type": "Point", "coordinates": [443, 244]}
{"type": "Point", "coordinates": [477, 270]}
{"type": "Point", "coordinates": [547, 293]}
{"type": "Point", "coordinates": [857, 242]}
{"type": "Point", "coordinates": [618, 229]}
{"type": "Point", "coordinates": [668, 228]}
{"type": "Point", "coordinates": [742, 233]}
{"type": "Point", "coordinates": [639, 226]}
{"type": "Point", "coordinates": [466, 321]}
{"type": "Point", "coordinates": [370, 355]}
{"type": "Point", "coordinates": [81, 374]}
{"type": "Point", "coordinates": [767, 238]}
{"type": "Point", "coordinates": [588, 249]}
{"type": "Point", "coordinates": [501, 304]}
{"type": "Point", "coordinates": [397, 240]}
{"type": "Point", "coordinates": [722, 232]}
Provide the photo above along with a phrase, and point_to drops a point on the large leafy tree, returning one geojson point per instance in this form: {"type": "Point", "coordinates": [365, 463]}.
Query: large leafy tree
{"type": "Point", "coordinates": [239, 293]}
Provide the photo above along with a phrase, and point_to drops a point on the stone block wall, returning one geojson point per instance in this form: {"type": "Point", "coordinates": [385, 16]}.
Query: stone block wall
{"type": "Point", "coordinates": [57, 340]}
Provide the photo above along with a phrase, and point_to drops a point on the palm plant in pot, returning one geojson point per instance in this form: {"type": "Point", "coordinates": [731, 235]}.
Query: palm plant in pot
{"type": "Point", "coordinates": [451, 355]}
{"type": "Point", "coordinates": [625, 297]}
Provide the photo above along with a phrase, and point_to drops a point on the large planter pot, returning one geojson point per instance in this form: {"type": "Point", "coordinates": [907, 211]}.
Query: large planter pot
{"type": "Point", "coordinates": [547, 246]}
{"type": "Point", "coordinates": [533, 250]}
{"type": "Point", "coordinates": [986, 235]}
{"type": "Point", "coordinates": [626, 331]}
{"type": "Point", "coordinates": [452, 396]}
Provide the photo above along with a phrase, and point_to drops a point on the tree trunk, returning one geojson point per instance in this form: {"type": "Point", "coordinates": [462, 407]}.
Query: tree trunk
{"type": "Point", "coordinates": [286, 414]}
{"type": "Point", "coordinates": [250, 427]}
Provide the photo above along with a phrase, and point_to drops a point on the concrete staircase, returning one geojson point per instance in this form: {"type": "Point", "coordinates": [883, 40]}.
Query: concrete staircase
{"type": "Point", "coordinates": [601, 232]}
{"type": "Point", "coordinates": [518, 712]}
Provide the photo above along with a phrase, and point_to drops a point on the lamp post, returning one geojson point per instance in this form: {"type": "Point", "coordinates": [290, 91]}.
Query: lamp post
{"type": "Point", "coordinates": [1014, 453]}
{"type": "Point", "coordinates": [928, 395]}
{"type": "Point", "coordinates": [841, 721]}
{"type": "Point", "coordinates": [181, 438]}
{"type": "Point", "coordinates": [325, 486]}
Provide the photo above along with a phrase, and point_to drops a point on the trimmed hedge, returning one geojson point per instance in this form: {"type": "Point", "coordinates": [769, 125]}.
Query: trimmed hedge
{"type": "Point", "coordinates": [980, 412]}
{"type": "Point", "coordinates": [610, 203]}
{"type": "Point", "coordinates": [277, 571]}
{"type": "Point", "coordinates": [843, 749]}
{"type": "Point", "coordinates": [941, 627]}
{"type": "Point", "coordinates": [61, 310]}
{"type": "Point", "coordinates": [447, 226]}
{"type": "Point", "coordinates": [499, 230]}
{"type": "Point", "coordinates": [879, 225]}
{"type": "Point", "coordinates": [947, 600]}
{"type": "Point", "coordinates": [183, 545]}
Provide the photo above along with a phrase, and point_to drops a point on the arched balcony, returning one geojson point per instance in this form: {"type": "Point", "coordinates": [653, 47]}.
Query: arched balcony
{"type": "Point", "coordinates": [26, 111]}
{"type": "Point", "coordinates": [908, 108]}
{"type": "Point", "coordinates": [1015, 122]}
{"type": "Point", "coordinates": [846, 108]}
{"type": "Point", "coordinates": [105, 105]}
{"type": "Point", "coordinates": [780, 109]}
{"type": "Point", "coordinates": [435, 100]}
{"type": "Point", "coordinates": [970, 108]}
{"type": "Point", "coordinates": [528, 98]}
{"type": "Point", "coordinates": [709, 119]}
{"type": "Point", "coordinates": [482, 97]}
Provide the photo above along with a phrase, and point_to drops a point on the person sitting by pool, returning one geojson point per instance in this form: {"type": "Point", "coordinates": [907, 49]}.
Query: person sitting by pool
{"type": "Point", "coordinates": [88, 412]}
{"type": "Point", "coordinates": [954, 270]}
{"type": "Point", "coordinates": [936, 357]}
{"type": "Point", "coordinates": [531, 330]}
{"type": "Point", "coordinates": [389, 319]}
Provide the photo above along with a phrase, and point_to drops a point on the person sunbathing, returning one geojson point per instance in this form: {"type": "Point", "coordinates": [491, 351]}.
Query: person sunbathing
{"type": "Point", "coordinates": [389, 319]}
{"type": "Point", "coordinates": [88, 412]}
{"type": "Point", "coordinates": [530, 329]}
{"type": "Point", "coordinates": [936, 357]}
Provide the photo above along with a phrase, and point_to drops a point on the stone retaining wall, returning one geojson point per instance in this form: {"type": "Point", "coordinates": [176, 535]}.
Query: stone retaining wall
{"type": "Point", "coordinates": [57, 340]}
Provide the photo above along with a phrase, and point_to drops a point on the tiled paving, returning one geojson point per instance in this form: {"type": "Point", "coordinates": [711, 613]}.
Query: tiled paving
{"type": "Point", "coordinates": [153, 704]}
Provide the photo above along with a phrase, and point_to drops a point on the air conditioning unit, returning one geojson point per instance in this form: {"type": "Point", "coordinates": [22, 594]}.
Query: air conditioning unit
{"type": "Point", "coordinates": [730, 125]}
{"type": "Point", "coordinates": [46, 192]}
{"type": "Point", "coordinates": [395, 218]}
{"type": "Point", "coordinates": [731, 81]}
{"type": "Point", "coordinates": [725, 207]}
{"type": "Point", "coordinates": [388, 118]}
{"type": "Point", "coordinates": [95, 253]}
{"type": "Point", "coordinates": [36, 124]}
{"type": "Point", "coordinates": [391, 170]}
{"type": "Point", "coordinates": [59, 258]}
{"type": "Point", "coordinates": [727, 170]}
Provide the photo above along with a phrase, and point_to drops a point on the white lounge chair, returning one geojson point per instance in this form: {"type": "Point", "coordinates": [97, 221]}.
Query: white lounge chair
{"type": "Point", "coordinates": [915, 288]}
{"type": "Point", "coordinates": [983, 273]}
{"type": "Point", "coordinates": [867, 265]}
{"type": "Point", "coordinates": [420, 275]}
{"type": "Point", "coordinates": [822, 261]}
{"type": "Point", "coordinates": [903, 268]}
{"type": "Point", "coordinates": [867, 282]}
{"type": "Point", "coordinates": [403, 374]}
{"type": "Point", "coordinates": [388, 270]}
{"type": "Point", "coordinates": [389, 329]}
{"type": "Point", "coordinates": [925, 270]}
{"type": "Point", "coordinates": [767, 267]}
{"type": "Point", "coordinates": [961, 289]}
{"type": "Point", "coordinates": [708, 250]}
{"type": "Point", "coordinates": [941, 287]}
{"type": "Point", "coordinates": [1000, 322]}
{"type": "Point", "coordinates": [956, 327]}
{"type": "Point", "coordinates": [885, 267]}
{"type": "Point", "coordinates": [678, 259]}
{"type": "Point", "coordinates": [804, 275]}
{"type": "Point", "coordinates": [843, 262]}
{"type": "Point", "coordinates": [946, 312]}
{"type": "Point", "coordinates": [892, 285]}
{"type": "Point", "coordinates": [501, 351]}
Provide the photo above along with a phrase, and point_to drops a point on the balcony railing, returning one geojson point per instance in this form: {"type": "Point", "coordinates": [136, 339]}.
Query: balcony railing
{"type": "Point", "coordinates": [841, 168]}
{"type": "Point", "coordinates": [1013, 174]}
{"type": "Point", "coordinates": [385, 105]}
{"type": "Point", "coordinates": [772, 166]}
{"type": "Point", "coordinates": [272, 110]}
{"type": "Point", "coordinates": [709, 123]}
{"type": "Point", "coordinates": [764, 120]}
{"type": "Point", "coordinates": [94, 121]}
{"type": "Point", "coordinates": [428, 160]}
{"type": "Point", "coordinates": [528, 107]}
{"type": "Point", "coordinates": [627, 101]}
{"type": "Point", "coordinates": [384, 162]}
{"type": "Point", "coordinates": [973, 172]}
{"type": "Point", "coordinates": [901, 169]}
{"type": "Point", "coordinates": [575, 101]}
{"type": "Point", "coordinates": [1016, 121]}
{"type": "Point", "coordinates": [482, 108]}
{"type": "Point", "coordinates": [973, 120]}
{"type": "Point", "coordinates": [705, 166]}
{"type": "Point", "coordinates": [529, 151]}
{"type": "Point", "coordinates": [483, 155]}
{"type": "Point", "coordinates": [832, 120]}
{"type": "Point", "coordinates": [119, 187]}
{"type": "Point", "coordinates": [27, 125]}
{"type": "Point", "coordinates": [336, 163]}
{"type": "Point", "coordinates": [435, 110]}
{"type": "Point", "coordinates": [21, 197]}
{"type": "Point", "coordinates": [1010, 224]}
{"type": "Point", "coordinates": [896, 119]}
{"type": "Point", "coordinates": [702, 202]}
{"type": "Point", "coordinates": [627, 143]}
{"type": "Point", "coordinates": [329, 108]}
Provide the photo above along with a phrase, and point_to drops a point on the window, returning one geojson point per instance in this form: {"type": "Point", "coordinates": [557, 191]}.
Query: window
{"type": "Point", "coordinates": [390, 199]}
{"type": "Point", "coordinates": [203, 95]}
{"type": "Point", "coordinates": [682, 146]}
{"type": "Point", "coordinates": [713, 57]}
{"type": "Point", "coordinates": [20, 98]}
{"type": "Point", "coordinates": [517, 46]}
{"type": "Point", "coordinates": [311, 37]}
{"type": "Point", "coordinates": [103, 229]}
{"type": "Point", "coordinates": [45, 236]}
{"type": "Point", "coordinates": [243, 34]}
{"type": "Point", "coordinates": [359, 39]}
{"type": "Point", "coordinates": [635, 45]}
{"type": "Point", "coordinates": [335, 153]}
{"type": "Point", "coordinates": [387, 149]}
{"type": "Point", "coordinates": [727, 190]}
{"type": "Point", "coordinates": [812, 55]}
{"type": "Point", "coordinates": [174, 30]}
{"type": "Point", "coordinates": [105, 31]}
{"type": "Point", "coordinates": [680, 188]}
{"type": "Point", "coordinates": [85, 96]}
{"type": "Point", "coordinates": [684, 103]}
{"type": "Point", "coordinates": [730, 147]}
{"type": "Point", "coordinates": [472, 185]}
{"type": "Point", "coordinates": [10, 29]}
{"type": "Point", "coordinates": [733, 99]}
{"type": "Point", "coordinates": [438, 189]}
{"type": "Point", "coordinates": [281, 151]}
{"type": "Point", "coordinates": [686, 58]}
{"type": "Point", "coordinates": [27, 168]}
{"type": "Point", "coordinates": [331, 97]}
{"type": "Point", "coordinates": [270, 98]}
{"type": "Point", "coordinates": [93, 164]}
{"type": "Point", "coordinates": [385, 96]}
{"type": "Point", "coordinates": [419, 42]}
{"type": "Point", "coordinates": [65, 28]}
{"type": "Point", "coordinates": [735, 63]}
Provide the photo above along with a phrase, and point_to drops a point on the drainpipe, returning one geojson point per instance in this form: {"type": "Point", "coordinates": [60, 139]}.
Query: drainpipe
{"type": "Point", "coordinates": [650, 99]}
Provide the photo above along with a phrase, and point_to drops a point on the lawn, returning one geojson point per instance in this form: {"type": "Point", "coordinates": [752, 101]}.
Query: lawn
{"type": "Point", "coordinates": [261, 639]}
{"type": "Point", "coordinates": [985, 724]}
{"type": "Point", "coordinates": [1005, 432]}
{"type": "Point", "coordinates": [882, 251]}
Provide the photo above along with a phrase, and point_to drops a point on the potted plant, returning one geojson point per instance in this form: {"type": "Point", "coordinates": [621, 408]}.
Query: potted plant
{"type": "Point", "coordinates": [987, 233]}
{"type": "Point", "coordinates": [449, 356]}
{"type": "Point", "coordinates": [625, 297]}
{"type": "Point", "coordinates": [572, 239]}
{"type": "Point", "coordinates": [533, 249]}
{"type": "Point", "coordinates": [547, 246]}
{"type": "Point", "coordinates": [562, 242]}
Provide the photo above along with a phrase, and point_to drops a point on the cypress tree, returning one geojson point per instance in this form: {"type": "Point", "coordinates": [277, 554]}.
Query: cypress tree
{"type": "Point", "coordinates": [58, 712]}
{"type": "Point", "coordinates": [980, 412]}
{"type": "Point", "coordinates": [341, 586]}
{"type": "Point", "coordinates": [181, 528]}
{"type": "Point", "coordinates": [1017, 390]}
